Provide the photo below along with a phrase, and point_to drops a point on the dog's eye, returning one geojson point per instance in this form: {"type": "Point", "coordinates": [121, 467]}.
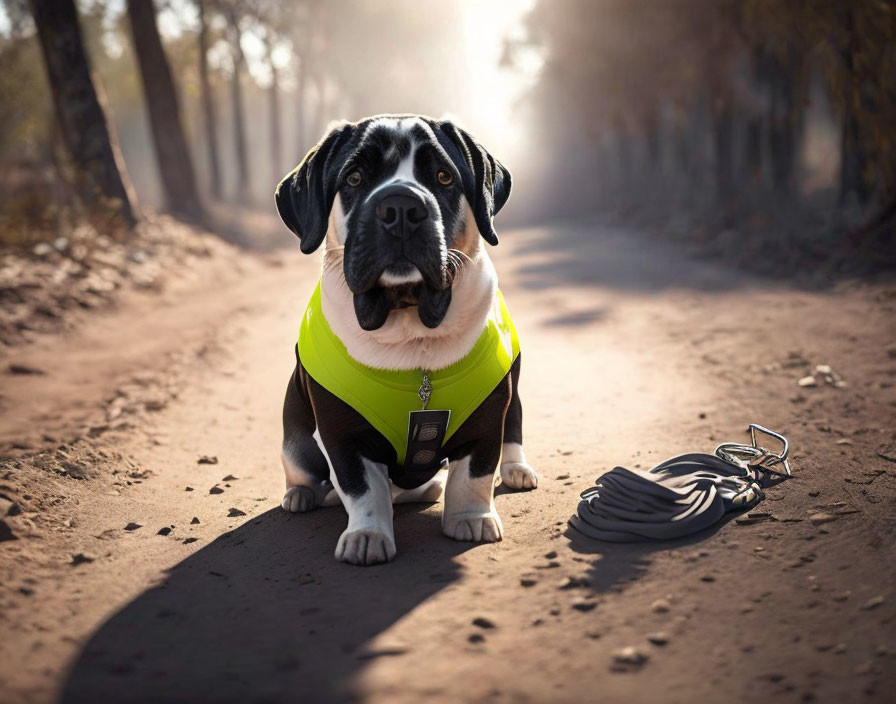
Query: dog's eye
{"type": "Point", "coordinates": [445, 178]}
{"type": "Point", "coordinates": [354, 179]}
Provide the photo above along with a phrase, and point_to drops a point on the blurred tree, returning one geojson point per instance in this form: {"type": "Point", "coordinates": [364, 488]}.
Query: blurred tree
{"type": "Point", "coordinates": [101, 178]}
{"type": "Point", "coordinates": [233, 14]}
{"type": "Point", "coordinates": [172, 153]}
{"type": "Point", "coordinates": [209, 111]}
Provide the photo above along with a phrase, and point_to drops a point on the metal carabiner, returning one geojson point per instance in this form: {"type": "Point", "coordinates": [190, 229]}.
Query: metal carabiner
{"type": "Point", "coordinates": [750, 456]}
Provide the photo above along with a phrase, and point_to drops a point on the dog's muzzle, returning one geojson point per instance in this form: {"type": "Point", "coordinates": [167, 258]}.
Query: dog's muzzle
{"type": "Point", "coordinates": [404, 237]}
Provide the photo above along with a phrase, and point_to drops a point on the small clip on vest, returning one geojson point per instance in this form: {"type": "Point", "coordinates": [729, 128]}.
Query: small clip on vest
{"type": "Point", "coordinates": [425, 390]}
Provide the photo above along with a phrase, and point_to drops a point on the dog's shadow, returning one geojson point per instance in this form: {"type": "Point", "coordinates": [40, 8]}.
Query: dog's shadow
{"type": "Point", "coordinates": [264, 613]}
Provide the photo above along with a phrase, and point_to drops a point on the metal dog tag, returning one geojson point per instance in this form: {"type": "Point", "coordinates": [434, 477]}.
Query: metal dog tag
{"type": "Point", "coordinates": [426, 432]}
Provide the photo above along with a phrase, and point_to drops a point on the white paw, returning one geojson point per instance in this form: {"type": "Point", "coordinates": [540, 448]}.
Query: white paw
{"type": "Point", "coordinates": [480, 528]}
{"type": "Point", "coordinates": [518, 475]}
{"type": "Point", "coordinates": [298, 499]}
{"type": "Point", "coordinates": [365, 547]}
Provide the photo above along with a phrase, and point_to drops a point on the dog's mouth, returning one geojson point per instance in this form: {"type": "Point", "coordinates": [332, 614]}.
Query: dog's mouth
{"type": "Point", "coordinates": [372, 307]}
{"type": "Point", "coordinates": [403, 295]}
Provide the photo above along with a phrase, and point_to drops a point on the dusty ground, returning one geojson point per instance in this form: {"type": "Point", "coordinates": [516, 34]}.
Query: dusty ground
{"type": "Point", "coordinates": [136, 570]}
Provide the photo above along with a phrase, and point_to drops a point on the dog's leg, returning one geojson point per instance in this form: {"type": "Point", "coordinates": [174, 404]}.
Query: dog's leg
{"type": "Point", "coordinates": [307, 473]}
{"type": "Point", "coordinates": [516, 472]}
{"type": "Point", "coordinates": [369, 537]}
{"type": "Point", "coordinates": [469, 512]}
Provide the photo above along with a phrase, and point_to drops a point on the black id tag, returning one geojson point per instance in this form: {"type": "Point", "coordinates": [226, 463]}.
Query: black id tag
{"type": "Point", "coordinates": [426, 432]}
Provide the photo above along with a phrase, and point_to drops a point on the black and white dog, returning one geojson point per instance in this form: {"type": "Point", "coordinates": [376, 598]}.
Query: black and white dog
{"type": "Point", "coordinates": [419, 300]}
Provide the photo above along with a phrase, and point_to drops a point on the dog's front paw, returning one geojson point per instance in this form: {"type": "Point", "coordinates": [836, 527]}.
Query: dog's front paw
{"type": "Point", "coordinates": [479, 528]}
{"type": "Point", "coordinates": [298, 499]}
{"type": "Point", "coordinates": [365, 547]}
{"type": "Point", "coordinates": [518, 475]}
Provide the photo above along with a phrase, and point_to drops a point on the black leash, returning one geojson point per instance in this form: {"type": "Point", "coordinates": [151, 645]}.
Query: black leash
{"type": "Point", "coordinates": [682, 495]}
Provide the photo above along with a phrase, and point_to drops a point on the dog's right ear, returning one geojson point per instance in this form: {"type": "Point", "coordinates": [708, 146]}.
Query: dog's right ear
{"type": "Point", "coordinates": [305, 195]}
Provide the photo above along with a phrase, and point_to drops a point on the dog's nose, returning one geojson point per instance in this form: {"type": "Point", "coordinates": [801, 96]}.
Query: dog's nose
{"type": "Point", "coordinates": [401, 214]}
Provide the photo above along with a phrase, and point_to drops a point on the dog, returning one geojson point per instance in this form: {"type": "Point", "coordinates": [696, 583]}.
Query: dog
{"type": "Point", "coordinates": [407, 318]}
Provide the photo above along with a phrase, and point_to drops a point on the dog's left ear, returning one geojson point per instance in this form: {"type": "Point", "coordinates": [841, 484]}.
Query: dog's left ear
{"type": "Point", "coordinates": [486, 182]}
{"type": "Point", "coordinates": [305, 195]}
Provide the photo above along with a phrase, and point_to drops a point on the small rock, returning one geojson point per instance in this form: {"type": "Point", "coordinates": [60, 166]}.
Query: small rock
{"type": "Point", "coordinates": [8, 507]}
{"type": "Point", "coordinates": [207, 459]}
{"type": "Point", "coordinates": [216, 490]}
{"type": "Point", "coordinates": [187, 541]}
{"type": "Point", "coordinates": [840, 648]}
{"type": "Point", "coordinates": [482, 622]}
{"type": "Point", "coordinates": [842, 596]}
{"type": "Point", "coordinates": [658, 638]}
{"type": "Point", "coordinates": [550, 555]}
{"type": "Point", "coordinates": [528, 582]}
{"type": "Point", "coordinates": [81, 558]}
{"type": "Point", "coordinates": [707, 578]}
{"type": "Point", "coordinates": [189, 488]}
{"type": "Point", "coordinates": [873, 603]}
{"type": "Point", "coordinates": [24, 369]}
{"type": "Point", "coordinates": [42, 249]}
{"type": "Point", "coordinates": [195, 521]}
{"type": "Point", "coordinates": [229, 478]}
{"type": "Point", "coordinates": [574, 583]}
{"type": "Point", "coordinates": [660, 606]}
{"type": "Point", "coordinates": [476, 638]}
{"type": "Point", "coordinates": [584, 605]}
{"type": "Point", "coordinates": [234, 512]}
{"type": "Point", "coordinates": [807, 381]}
{"type": "Point", "coordinates": [132, 526]}
{"type": "Point", "coordinates": [821, 518]}
{"type": "Point", "coordinates": [629, 657]}
{"type": "Point", "coordinates": [164, 531]}
{"type": "Point", "coordinates": [864, 668]}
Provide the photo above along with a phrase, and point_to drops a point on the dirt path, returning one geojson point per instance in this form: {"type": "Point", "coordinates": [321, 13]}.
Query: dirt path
{"type": "Point", "coordinates": [630, 355]}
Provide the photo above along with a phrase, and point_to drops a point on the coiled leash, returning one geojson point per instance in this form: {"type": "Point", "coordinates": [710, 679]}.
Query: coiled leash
{"type": "Point", "coordinates": [682, 495]}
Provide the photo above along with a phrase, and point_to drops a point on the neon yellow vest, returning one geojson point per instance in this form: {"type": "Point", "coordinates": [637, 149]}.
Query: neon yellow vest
{"type": "Point", "coordinates": [386, 397]}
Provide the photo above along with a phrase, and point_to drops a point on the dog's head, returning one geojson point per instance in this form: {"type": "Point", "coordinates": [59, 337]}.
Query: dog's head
{"type": "Point", "coordinates": [403, 183]}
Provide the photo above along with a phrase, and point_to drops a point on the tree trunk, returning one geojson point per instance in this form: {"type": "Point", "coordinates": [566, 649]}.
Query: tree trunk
{"type": "Point", "coordinates": [172, 154]}
{"type": "Point", "coordinates": [301, 103]}
{"type": "Point", "coordinates": [244, 186]}
{"type": "Point", "coordinates": [723, 140]}
{"type": "Point", "coordinates": [785, 124]}
{"type": "Point", "coordinates": [276, 131]}
{"type": "Point", "coordinates": [753, 150]}
{"type": "Point", "coordinates": [853, 160]}
{"type": "Point", "coordinates": [208, 106]}
{"type": "Point", "coordinates": [652, 138]}
{"type": "Point", "coordinates": [318, 121]}
{"type": "Point", "coordinates": [102, 179]}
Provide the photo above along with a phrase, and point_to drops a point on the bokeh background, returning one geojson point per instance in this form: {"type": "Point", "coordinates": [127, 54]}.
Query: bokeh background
{"type": "Point", "coordinates": [763, 131]}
